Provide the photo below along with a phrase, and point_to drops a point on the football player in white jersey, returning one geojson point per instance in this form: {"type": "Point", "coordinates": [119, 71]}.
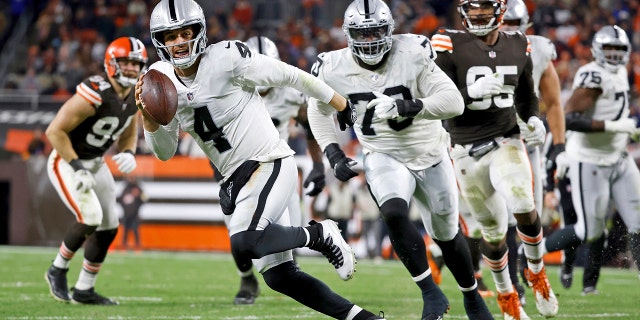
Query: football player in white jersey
{"type": "Point", "coordinates": [400, 96]}
{"type": "Point", "coordinates": [101, 113]}
{"type": "Point", "coordinates": [600, 168]}
{"type": "Point", "coordinates": [219, 106]}
{"type": "Point", "coordinates": [493, 71]}
{"type": "Point", "coordinates": [283, 104]}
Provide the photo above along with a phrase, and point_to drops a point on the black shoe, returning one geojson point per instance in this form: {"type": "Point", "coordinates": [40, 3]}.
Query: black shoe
{"type": "Point", "coordinates": [520, 290]}
{"type": "Point", "coordinates": [566, 276]}
{"type": "Point", "coordinates": [475, 307]}
{"type": "Point", "coordinates": [248, 292]}
{"type": "Point", "coordinates": [435, 304]}
{"type": "Point", "coordinates": [91, 297]}
{"type": "Point", "coordinates": [57, 281]}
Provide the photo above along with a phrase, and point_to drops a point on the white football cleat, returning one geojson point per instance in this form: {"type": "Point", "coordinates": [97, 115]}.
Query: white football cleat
{"type": "Point", "coordinates": [336, 249]}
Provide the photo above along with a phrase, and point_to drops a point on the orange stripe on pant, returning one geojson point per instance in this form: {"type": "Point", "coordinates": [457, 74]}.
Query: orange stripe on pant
{"type": "Point", "coordinates": [65, 190]}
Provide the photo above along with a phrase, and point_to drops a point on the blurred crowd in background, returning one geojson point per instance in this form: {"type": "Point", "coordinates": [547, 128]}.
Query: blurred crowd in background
{"type": "Point", "coordinates": [65, 40]}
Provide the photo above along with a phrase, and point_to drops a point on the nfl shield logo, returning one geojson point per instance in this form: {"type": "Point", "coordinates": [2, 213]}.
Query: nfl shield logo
{"type": "Point", "coordinates": [190, 96]}
{"type": "Point", "coordinates": [492, 54]}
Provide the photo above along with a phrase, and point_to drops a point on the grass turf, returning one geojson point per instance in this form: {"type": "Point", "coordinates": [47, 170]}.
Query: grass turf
{"type": "Point", "coordinates": [179, 285]}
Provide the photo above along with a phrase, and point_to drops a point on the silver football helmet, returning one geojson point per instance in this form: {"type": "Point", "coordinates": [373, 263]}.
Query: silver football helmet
{"type": "Point", "coordinates": [264, 46]}
{"type": "Point", "coordinates": [482, 24]}
{"type": "Point", "coordinates": [171, 15]}
{"type": "Point", "coordinates": [611, 48]}
{"type": "Point", "coordinates": [368, 25]}
{"type": "Point", "coordinates": [518, 13]}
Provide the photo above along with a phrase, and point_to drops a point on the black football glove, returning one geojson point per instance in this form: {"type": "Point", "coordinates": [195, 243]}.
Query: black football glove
{"type": "Point", "coordinates": [316, 176]}
{"type": "Point", "coordinates": [347, 117]}
{"type": "Point", "coordinates": [340, 164]}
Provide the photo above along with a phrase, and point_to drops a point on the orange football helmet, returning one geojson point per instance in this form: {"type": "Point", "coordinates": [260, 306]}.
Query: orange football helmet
{"type": "Point", "coordinates": [124, 48]}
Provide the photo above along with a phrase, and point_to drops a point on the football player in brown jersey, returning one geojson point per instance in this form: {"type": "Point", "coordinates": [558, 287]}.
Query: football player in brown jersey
{"type": "Point", "coordinates": [101, 112]}
{"type": "Point", "coordinates": [493, 71]}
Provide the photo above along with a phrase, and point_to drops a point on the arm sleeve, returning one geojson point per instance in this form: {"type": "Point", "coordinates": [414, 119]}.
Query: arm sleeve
{"type": "Point", "coordinates": [269, 72]}
{"type": "Point", "coordinates": [443, 99]}
{"type": "Point", "coordinates": [526, 99]}
{"type": "Point", "coordinates": [322, 124]}
{"type": "Point", "coordinates": [164, 141]}
{"type": "Point", "coordinates": [576, 121]}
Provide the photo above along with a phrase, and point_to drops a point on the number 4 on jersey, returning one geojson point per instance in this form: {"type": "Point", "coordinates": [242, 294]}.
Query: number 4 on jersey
{"type": "Point", "coordinates": [207, 129]}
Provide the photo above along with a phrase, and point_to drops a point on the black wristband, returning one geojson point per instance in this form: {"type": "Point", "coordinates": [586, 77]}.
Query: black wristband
{"type": "Point", "coordinates": [409, 108]}
{"type": "Point", "coordinates": [76, 164]}
{"type": "Point", "coordinates": [129, 151]}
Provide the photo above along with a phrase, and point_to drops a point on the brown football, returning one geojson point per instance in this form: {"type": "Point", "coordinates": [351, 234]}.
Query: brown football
{"type": "Point", "coordinates": [159, 97]}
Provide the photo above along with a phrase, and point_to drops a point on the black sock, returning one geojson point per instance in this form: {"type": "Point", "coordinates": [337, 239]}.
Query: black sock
{"type": "Point", "coordinates": [458, 259]}
{"type": "Point", "coordinates": [315, 233]}
{"type": "Point", "coordinates": [563, 238]}
{"type": "Point", "coordinates": [364, 315]}
{"type": "Point", "coordinates": [288, 279]}
{"type": "Point", "coordinates": [405, 238]}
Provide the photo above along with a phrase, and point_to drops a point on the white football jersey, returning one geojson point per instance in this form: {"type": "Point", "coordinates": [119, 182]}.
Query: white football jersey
{"type": "Point", "coordinates": [283, 104]}
{"type": "Point", "coordinates": [409, 73]}
{"type": "Point", "coordinates": [542, 51]}
{"type": "Point", "coordinates": [224, 113]}
{"type": "Point", "coordinates": [601, 148]}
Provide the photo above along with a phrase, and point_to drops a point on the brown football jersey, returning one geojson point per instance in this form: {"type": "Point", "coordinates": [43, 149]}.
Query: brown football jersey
{"type": "Point", "coordinates": [465, 59]}
{"type": "Point", "coordinates": [93, 137]}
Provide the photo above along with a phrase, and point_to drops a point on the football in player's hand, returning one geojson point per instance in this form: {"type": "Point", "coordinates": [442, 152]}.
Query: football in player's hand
{"type": "Point", "coordinates": [159, 97]}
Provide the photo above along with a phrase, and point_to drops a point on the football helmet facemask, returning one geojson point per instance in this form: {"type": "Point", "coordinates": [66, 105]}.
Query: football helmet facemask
{"type": "Point", "coordinates": [263, 45]}
{"type": "Point", "coordinates": [486, 18]}
{"type": "Point", "coordinates": [368, 25]}
{"type": "Point", "coordinates": [611, 47]}
{"type": "Point", "coordinates": [172, 15]}
{"type": "Point", "coordinates": [124, 49]}
{"type": "Point", "coordinates": [516, 17]}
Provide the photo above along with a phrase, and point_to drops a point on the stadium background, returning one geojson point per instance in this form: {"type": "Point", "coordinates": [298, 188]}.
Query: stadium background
{"type": "Point", "coordinates": [48, 47]}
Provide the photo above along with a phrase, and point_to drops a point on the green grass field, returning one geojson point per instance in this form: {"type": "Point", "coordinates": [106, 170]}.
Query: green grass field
{"type": "Point", "coordinates": [169, 285]}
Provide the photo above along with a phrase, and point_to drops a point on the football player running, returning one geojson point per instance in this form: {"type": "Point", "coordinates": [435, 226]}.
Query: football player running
{"type": "Point", "coordinates": [547, 87]}
{"type": "Point", "coordinates": [101, 113]}
{"type": "Point", "coordinates": [493, 71]}
{"type": "Point", "coordinates": [283, 104]}
{"type": "Point", "coordinates": [599, 166]}
{"type": "Point", "coordinates": [400, 95]}
{"type": "Point", "coordinates": [219, 106]}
